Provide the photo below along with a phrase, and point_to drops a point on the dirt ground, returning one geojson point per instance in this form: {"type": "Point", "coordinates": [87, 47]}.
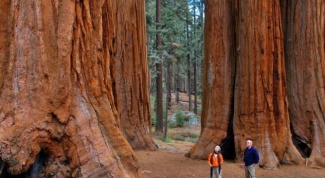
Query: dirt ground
{"type": "Point", "coordinates": [169, 162]}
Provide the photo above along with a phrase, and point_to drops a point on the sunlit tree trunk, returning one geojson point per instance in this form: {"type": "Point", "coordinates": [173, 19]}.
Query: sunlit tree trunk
{"type": "Point", "coordinates": [132, 74]}
{"type": "Point", "coordinates": [260, 104]}
{"type": "Point", "coordinates": [305, 62]}
{"type": "Point", "coordinates": [57, 93]}
{"type": "Point", "coordinates": [258, 93]}
{"type": "Point", "coordinates": [218, 77]}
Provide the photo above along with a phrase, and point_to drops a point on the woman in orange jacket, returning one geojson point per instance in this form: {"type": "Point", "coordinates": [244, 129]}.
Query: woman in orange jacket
{"type": "Point", "coordinates": [215, 160]}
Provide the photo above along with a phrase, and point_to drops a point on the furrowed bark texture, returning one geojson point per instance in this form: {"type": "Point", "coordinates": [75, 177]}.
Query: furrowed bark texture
{"type": "Point", "coordinates": [218, 77]}
{"type": "Point", "coordinates": [305, 61]}
{"type": "Point", "coordinates": [261, 108]}
{"type": "Point", "coordinates": [132, 77]}
{"type": "Point", "coordinates": [56, 90]}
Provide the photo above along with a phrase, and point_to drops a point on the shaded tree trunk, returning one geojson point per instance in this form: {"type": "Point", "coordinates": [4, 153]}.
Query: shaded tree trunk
{"type": "Point", "coordinates": [132, 74]}
{"type": "Point", "coordinates": [177, 70]}
{"type": "Point", "coordinates": [169, 77]}
{"type": "Point", "coordinates": [57, 95]}
{"type": "Point", "coordinates": [195, 59]}
{"type": "Point", "coordinates": [195, 86]}
{"type": "Point", "coordinates": [305, 61]}
{"type": "Point", "coordinates": [188, 61]}
{"type": "Point", "coordinates": [168, 94]}
{"type": "Point", "coordinates": [159, 77]}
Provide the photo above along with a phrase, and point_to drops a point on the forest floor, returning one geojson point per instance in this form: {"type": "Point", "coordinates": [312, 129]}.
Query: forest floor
{"type": "Point", "coordinates": [169, 162]}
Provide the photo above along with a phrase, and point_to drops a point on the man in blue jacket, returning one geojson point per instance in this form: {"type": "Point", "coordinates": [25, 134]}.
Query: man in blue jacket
{"type": "Point", "coordinates": [251, 158]}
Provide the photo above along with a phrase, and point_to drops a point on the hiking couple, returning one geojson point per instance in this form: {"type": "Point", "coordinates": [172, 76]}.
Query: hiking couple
{"type": "Point", "coordinates": [251, 158]}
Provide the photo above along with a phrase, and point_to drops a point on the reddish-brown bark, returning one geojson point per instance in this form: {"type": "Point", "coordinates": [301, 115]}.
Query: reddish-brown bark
{"type": "Point", "coordinates": [260, 102]}
{"type": "Point", "coordinates": [218, 77]}
{"type": "Point", "coordinates": [305, 62]}
{"type": "Point", "coordinates": [132, 74]}
{"type": "Point", "coordinates": [57, 92]}
{"type": "Point", "coordinates": [261, 108]}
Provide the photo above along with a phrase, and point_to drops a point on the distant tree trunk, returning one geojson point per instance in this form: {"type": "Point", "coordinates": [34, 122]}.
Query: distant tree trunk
{"type": "Point", "coordinates": [168, 84]}
{"type": "Point", "coordinates": [132, 74]}
{"type": "Point", "coordinates": [188, 61]}
{"type": "Point", "coordinates": [195, 87]}
{"type": "Point", "coordinates": [195, 59]}
{"type": "Point", "coordinates": [218, 77]}
{"type": "Point", "coordinates": [159, 78]}
{"type": "Point", "coordinates": [305, 48]}
{"type": "Point", "coordinates": [177, 80]}
{"type": "Point", "coordinates": [167, 100]}
{"type": "Point", "coordinates": [57, 95]}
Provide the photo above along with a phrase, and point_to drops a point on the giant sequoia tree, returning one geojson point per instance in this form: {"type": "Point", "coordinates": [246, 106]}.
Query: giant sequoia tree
{"type": "Point", "coordinates": [57, 98]}
{"type": "Point", "coordinates": [260, 104]}
{"type": "Point", "coordinates": [132, 74]}
{"type": "Point", "coordinates": [305, 62]}
{"type": "Point", "coordinates": [261, 108]}
{"type": "Point", "coordinates": [218, 75]}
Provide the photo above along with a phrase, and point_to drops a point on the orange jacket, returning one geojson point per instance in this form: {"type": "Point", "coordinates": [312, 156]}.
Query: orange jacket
{"type": "Point", "coordinates": [215, 160]}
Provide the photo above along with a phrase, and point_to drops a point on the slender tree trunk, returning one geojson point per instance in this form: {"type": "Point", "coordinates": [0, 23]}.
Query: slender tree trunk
{"type": "Point", "coordinates": [305, 48]}
{"type": "Point", "coordinates": [167, 101]}
{"type": "Point", "coordinates": [132, 74]}
{"type": "Point", "coordinates": [195, 87]}
{"type": "Point", "coordinates": [188, 59]}
{"type": "Point", "coordinates": [168, 84]}
{"type": "Point", "coordinates": [195, 59]}
{"type": "Point", "coordinates": [159, 78]}
{"type": "Point", "coordinates": [57, 96]}
{"type": "Point", "coordinates": [177, 81]}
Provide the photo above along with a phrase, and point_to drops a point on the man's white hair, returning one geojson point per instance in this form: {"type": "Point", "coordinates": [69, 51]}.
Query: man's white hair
{"type": "Point", "coordinates": [218, 147]}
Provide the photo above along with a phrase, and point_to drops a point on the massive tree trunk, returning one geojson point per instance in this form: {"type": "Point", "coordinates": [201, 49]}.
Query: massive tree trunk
{"type": "Point", "coordinates": [218, 77]}
{"type": "Point", "coordinates": [305, 48]}
{"type": "Point", "coordinates": [132, 74]}
{"type": "Point", "coordinates": [261, 108]}
{"type": "Point", "coordinates": [260, 105]}
{"type": "Point", "coordinates": [57, 97]}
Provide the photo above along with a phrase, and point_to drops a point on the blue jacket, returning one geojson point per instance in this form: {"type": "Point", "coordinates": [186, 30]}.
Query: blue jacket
{"type": "Point", "coordinates": [251, 156]}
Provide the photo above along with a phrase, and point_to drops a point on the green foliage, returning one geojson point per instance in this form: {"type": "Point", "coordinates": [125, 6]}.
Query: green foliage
{"type": "Point", "coordinates": [153, 119]}
{"type": "Point", "coordinates": [180, 119]}
{"type": "Point", "coordinates": [180, 138]}
{"type": "Point", "coordinates": [153, 114]}
{"type": "Point", "coordinates": [168, 140]}
{"type": "Point", "coordinates": [172, 124]}
{"type": "Point", "coordinates": [181, 30]}
{"type": "Point", "coordinates": [194, 135]}
{"type": "Point", "coordinates": [184, 134]}
{"type": "Point", "coordinates": [193, 140]}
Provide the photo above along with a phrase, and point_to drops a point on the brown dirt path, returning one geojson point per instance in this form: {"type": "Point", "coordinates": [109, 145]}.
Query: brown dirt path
{"type": "Point", "coordinates": [169, 162]}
